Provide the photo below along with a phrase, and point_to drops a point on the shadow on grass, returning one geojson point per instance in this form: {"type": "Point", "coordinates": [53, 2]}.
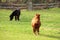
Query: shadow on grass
{"type": "Point", "coordinates": [50, 36]}
{"type": "Point", "coordinates": [58, 32]}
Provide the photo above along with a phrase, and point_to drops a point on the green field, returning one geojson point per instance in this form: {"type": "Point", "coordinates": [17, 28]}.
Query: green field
{"type": "Point", "coordinates": [22, 30]}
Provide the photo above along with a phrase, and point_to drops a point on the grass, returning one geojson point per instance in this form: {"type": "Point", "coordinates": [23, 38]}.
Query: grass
{"type": "Point", "coordinates": [22, 30]}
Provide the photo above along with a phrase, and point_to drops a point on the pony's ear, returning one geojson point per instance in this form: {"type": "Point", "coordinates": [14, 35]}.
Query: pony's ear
{"type": "Point", "coordinates": [37, 14]}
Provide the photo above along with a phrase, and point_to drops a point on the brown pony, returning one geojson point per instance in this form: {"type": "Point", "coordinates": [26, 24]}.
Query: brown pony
{"type": "Point", "coordinates": [36, 24]}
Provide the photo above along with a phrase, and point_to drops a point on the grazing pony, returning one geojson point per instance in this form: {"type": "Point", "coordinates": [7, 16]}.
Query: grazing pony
{"type": "Point", "coordinates": [36, 24]}
{"type": "Point", "coordinates": [16, 13]}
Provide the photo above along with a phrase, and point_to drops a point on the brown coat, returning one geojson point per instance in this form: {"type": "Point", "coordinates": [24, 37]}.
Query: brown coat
{"type": "Point", "coordinates": [36, 23]}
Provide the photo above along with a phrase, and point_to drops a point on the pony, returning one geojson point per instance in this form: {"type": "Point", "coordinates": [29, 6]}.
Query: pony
{"type": "Point", "coordinates": [36, 23]}
{"type": "Point", "coordinates": [16, 13]}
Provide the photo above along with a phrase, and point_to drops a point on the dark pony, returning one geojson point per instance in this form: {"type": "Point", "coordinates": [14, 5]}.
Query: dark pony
{"type": "Point", "coordinates": [16, 13]}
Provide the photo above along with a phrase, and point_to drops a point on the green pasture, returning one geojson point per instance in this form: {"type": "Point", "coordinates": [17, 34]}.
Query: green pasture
{"type": "Point", "coordinates": [22, 30]}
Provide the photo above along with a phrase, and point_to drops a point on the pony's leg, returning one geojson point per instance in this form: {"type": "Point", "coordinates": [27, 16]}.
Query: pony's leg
{"type": "Point", "coordinates": [15, 18]}
{"type": "Point", "coordinates": [34, 31]}
{"type": "Point", "coordinates": [18, 18]}
{"type": "Point", "coordinates": [38, 31]}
